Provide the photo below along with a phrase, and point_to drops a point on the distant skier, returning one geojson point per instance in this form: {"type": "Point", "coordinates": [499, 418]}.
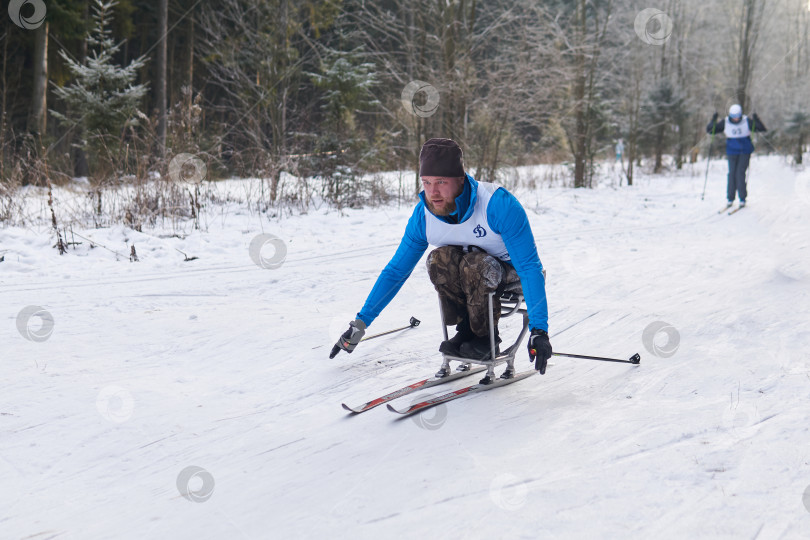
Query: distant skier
{"type": "Point", "coordinates": [737, 128]}
{"type": "Point", "coordinates": [619, 150]}
{"type": "Point", "coordinates": [483, 241]}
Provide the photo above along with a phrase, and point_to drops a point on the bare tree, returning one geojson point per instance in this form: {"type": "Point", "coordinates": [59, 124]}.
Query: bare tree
{"type": "Point", "coordinates": [520, 82]}
{"type": "Point", "coordinates": [797, 77]}
{"type": "Point", "coordinates": [630, 106]}
{"type": "Point", "coordinates": [422, 41]}
{"type": "Point", "coordinates": [587, 29]}
{"type": "Point", "coordinates": [254, 62]}
{"type": "Point", "coordinates": [747, 26]}
{"type": "Point", "coordinates": [39, 99]}
{"type": "Point", "coordinates": [494, 69]}
{"type": "Point", "coordinates": [160, 74]}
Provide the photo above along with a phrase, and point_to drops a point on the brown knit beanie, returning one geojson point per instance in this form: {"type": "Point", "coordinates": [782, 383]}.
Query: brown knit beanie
{"type": "Point", "coordinates": [441, 157]}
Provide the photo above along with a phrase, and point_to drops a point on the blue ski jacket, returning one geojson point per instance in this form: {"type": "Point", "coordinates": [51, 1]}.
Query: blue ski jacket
{"type": "Point", "coordinates": [742, 145]}
{"type": "Point", "coordinates": [506, 217]}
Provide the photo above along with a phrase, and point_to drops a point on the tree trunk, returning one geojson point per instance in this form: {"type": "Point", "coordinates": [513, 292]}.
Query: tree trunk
{"type": "Point", "coordinates": [171, 60]}
{"type": "Point", "coordinates": [749, 32]}
{"type": "Point", "coordinates": [3, 110]}
{"type": "Point", "coordinates": [680, 148]}
{"type": "Point", "coordinates": [278, 147]}
{"type": "Point", "coordinates": [39, 104]}
{"type": "Point", "coordinates": [659, 147]}
{"type": "Point", "coordinates": [586, 58]}
{"type": "Point", "coordinates": [190, 60]}
{"type": "Point", "coordinates": [632, 145]}
{"type": "Point", "coordinates": [160, 76]}
{"type": "Point", "coordinates": [81, 168]}
{"type": "Point", "coordinates": [662, 119]}
{"type": "Point", "coordinates": [581, 127]}
{"type": "Point", "coordinates": [3, 103]}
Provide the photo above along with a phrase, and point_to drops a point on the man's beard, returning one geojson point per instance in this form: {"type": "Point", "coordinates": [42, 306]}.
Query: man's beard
{"type": "Point", "coordinates": [446, 212]}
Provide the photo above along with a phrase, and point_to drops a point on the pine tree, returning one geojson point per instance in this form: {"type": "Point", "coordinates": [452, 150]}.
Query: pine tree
{"type": "Point", "coordinates": [102, 100]}
{"type": "Point", "coordinates": [347, 84]}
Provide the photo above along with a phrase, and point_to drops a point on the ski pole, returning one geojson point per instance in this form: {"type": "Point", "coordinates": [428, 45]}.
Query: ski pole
{"type": "Point", "coordinates": [635, 359]}
{"type": "Point", "coordinates": [753, 142]}
{"type": "Point", "coordinates": [708, 159]}
{"type": "Point", "coordinates": [414, 323]}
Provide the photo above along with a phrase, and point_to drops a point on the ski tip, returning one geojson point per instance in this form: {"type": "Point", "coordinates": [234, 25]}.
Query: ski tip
{"type": "Point", "coordinates": [353, 411]}
{"type": "Point", "coordinates": [392, 409]}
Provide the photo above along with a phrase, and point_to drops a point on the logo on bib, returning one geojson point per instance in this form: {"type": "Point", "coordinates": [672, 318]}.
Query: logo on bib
{"type": "Point", "coordinates": [479, 231]}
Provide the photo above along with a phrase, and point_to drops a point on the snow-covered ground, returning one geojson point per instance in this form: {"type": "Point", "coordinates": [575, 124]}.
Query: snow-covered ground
{"type": "Point", "coordinates": [195, 399]}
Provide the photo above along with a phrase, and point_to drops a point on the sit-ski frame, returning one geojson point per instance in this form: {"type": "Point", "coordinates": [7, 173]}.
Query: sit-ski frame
{"type": "Point", "coordinates": [507, 355]}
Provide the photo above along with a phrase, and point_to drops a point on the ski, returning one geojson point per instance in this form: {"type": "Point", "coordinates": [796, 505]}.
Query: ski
{"type": "Point", "coordinates": [426, 383]}
{"type": "Point", "coordinates": [455, 394]}
{"type": "Point", "coordinates": [724, 208]}
{"type": "Point", "coordinates": [736, 210]}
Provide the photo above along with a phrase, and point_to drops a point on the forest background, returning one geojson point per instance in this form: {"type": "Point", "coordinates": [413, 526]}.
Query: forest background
{"type": "Point", "coordinates": [323, 94]}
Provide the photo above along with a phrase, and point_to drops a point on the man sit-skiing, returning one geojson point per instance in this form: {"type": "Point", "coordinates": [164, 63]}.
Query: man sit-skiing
{"type": "Point", "coordinates": [483, 241]}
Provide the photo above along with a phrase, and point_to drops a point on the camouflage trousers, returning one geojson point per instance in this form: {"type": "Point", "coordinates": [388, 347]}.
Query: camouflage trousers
{"type": "Point", "coordinates": [464, 281]}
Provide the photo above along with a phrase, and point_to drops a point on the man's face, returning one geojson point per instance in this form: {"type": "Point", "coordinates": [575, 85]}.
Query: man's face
{"type": "Point", "coordinates": [441, 193]}
{"type": "Point", "coordinates": [735, 120]}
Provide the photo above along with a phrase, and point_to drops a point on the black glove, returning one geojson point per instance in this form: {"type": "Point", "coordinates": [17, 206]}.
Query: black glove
{"type": "Point", "coordinates": [350, 338]}
{"type": "Point", "coordinates": [539, 349]}
{"type": "Point", "coordinates": [755, 117]}
{"type": "Point", "coordinates": [714, 117]}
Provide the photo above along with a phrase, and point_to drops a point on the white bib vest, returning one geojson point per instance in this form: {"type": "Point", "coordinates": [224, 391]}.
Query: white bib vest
{"type": "Point", "coordinates": [737, 131]}
{"type": "Point", "coordinates": [475, 231]}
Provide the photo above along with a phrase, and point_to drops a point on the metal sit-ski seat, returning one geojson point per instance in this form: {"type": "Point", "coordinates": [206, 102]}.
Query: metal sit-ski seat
{"type": "Point", "coordinates": [511, 298]}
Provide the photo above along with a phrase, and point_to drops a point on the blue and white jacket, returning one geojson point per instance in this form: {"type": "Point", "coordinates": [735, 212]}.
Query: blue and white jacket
{"type": "Point", "coordinates": [505, 218]}
{"type": "Point", "coordinates": [738, 136]}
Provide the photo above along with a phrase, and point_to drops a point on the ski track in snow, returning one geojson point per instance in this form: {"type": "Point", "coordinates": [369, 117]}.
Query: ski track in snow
{"type": "Point", "coordinates": [160, 365]}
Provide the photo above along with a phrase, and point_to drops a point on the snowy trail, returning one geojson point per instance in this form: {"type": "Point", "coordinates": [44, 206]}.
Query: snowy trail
{"type": "Point", "coordinates": [161, 365]}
